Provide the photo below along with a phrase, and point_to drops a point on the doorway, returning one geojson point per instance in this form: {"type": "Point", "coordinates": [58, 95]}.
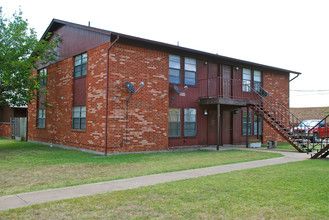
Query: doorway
{"type": "Point", "coordinates": [212, 126]}
{"type": "Point", "coordinates": [227, 82]}
{"type": "Point", "coordinates": [227, 127]}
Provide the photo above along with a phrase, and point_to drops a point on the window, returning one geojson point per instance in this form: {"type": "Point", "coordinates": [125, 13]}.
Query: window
{"type": "Point", "coordinates": [260, 126]}
{"type": "Point", "coordinates": [41, 112]}
{"type": "Point", "coordinates": [174, 122]}
{"type": "Point", "coordinates": [174, 69]}
{"type": "Point", "coordinates": [257, 81]}
{"type": "Point", "coordinates": [79, 117]}
{"type": "Point", "coordinates": [244, 123]}
{"type": "Point", "coordinates": [189, 122]}
{"type": "Point", "coordinates": [41, 123]}
{"type": "Point", "coordinates": [190, 71]}
{"type": "Point", "coordinates": [257, 125]}
{"type": "Point", "coordinates": [246, 80]}
{"type": "Point", "coordinates": [43, 77]}
{"type": "Point", "coordinates": [80, 65]}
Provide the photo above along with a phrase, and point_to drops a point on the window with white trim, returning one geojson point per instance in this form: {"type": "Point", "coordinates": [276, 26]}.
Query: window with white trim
{"type": "Point", "coordinates": [190, 122]}
{"type": "Point", "coordinates": [246, 80]}
{"type": "Point", "coordinates": [43, 77]}
{"type": "Point", "coordinates": [244, 123]}
{"type": "Point", "coordinates": [257, 125]}
{"type": "Point", "coordinates": [257, 81]}
{"type": "Point", "coordinates": [79, 118]}
{"type": "Point", "coordinates": [174, 122]}
{"type": "Point", "coordinates": [190, 71]}
{"type": "Point", "coordinates": [174, 69]}
{"type": "Point", "coordinates": [41, 122]}
{"type": "Point", "coordinates": [80, 65]}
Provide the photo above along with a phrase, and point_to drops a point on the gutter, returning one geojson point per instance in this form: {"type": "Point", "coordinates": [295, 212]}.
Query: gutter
{"type": "Point", "coordinates": [107, 89]}
{"type": "Point", "coordinates": [298, 74]}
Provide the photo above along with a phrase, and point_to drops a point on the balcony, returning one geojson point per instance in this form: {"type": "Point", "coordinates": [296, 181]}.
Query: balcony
{"type": "Point", "coordinates": [225, 91]}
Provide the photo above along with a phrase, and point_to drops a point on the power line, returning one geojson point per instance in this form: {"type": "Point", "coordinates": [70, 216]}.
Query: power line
{"type": "Point", "coordinates": [310, 90]}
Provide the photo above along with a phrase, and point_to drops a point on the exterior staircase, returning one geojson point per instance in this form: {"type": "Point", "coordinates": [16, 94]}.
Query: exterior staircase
{"type": "Point", "coordinates": [286, 124]}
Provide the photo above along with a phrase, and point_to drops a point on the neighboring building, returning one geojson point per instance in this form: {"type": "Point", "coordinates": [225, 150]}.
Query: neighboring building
{"type": "Point", "coordinates": [310, 113]}
{"type": "Point", "coordinates": [6, 113]}
{"type": "Point", "coordinates": [213, 110]}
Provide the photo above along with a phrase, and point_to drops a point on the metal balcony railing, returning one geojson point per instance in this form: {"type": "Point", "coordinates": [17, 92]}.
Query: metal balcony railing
{"type": "Point", "coordinates": [225, 88]}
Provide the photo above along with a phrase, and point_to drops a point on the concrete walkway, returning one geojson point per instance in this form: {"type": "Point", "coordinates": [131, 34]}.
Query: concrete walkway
{"type": "Point", "coordinates": [30, 198]}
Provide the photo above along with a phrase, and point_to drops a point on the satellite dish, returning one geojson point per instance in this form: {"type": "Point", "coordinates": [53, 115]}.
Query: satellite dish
{"type": "Point", "coordinates": [176, 89]}
{"type": "Point", "coordinates": [130, 87]}
{"type": "Point", "coordinates": [178, 92]}
{"type": "Point", "coordinates": [142, 84]}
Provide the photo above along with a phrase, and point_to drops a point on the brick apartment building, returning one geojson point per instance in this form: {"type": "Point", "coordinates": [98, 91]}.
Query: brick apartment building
{"type": "Point", "coordinates": [88, 94]}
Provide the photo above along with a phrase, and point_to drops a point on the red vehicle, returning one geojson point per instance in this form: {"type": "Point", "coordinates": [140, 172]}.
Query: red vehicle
{"type": "Point", "coordinates": [313, 130]}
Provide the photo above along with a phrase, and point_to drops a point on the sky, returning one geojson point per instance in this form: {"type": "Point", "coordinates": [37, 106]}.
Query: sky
{"type": "Point", "coordinates": [289, 34]}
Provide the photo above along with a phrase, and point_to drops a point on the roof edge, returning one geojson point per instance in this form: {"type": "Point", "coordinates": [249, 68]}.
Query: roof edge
{"type": "Point", "coordinates": [236, 61]}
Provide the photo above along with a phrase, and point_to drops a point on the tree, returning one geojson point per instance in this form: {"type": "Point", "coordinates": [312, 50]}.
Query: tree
{"type": "Point", "coordinates": [21, 53]}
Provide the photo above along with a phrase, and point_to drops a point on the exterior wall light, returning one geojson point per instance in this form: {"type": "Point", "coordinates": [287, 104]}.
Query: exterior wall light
{"type": "Point", "coordinates": [205, 112]}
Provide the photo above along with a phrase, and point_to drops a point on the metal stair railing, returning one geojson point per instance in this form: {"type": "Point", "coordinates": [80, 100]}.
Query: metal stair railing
{"type": "Point", "coordinates": [319, 134]}
{"type": "Point", "coordinates": [280, 118]}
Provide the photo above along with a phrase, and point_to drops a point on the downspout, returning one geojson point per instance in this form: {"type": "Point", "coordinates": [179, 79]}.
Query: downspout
{"type": "Point", "coordinates": [107, 89]}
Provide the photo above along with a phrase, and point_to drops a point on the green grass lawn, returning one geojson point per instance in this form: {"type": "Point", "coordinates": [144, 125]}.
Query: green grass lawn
{"type": "Point", "coordinates": [282, 146]}
{"type": "Point", "coordinates": [296, 190]}
{"type": "Point", "coordinates": [26, 167]}
{"type": "Point", "coordinates": [285, 146]}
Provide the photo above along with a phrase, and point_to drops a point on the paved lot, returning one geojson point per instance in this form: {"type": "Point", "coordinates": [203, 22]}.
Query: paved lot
{"type": "Point", "coordinates": [30, 198]}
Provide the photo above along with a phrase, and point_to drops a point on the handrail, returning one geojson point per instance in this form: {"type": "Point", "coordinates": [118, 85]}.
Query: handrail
{"type": "Point", "coordinates": [266, 101]}
{"type": "Point", "coordinates": [283, 106]}
{"type": "Point", "coordinates": [224, 88]}
{"type": "Point", "coordinates": [280, 113]}
{"type": "Point", "coordinates": [319, 122]}
{"type": "Point", "coordinates": [312, 131]}
{"type": "Point", "coordinates": [272, 105]}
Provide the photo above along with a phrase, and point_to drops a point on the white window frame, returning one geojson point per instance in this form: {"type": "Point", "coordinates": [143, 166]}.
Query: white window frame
{"type": "Point", "coordinates": [79, 118]}
{"type": "Point", "coordinates": [43, 77]}
{"type": "Point", "coordinates": [244, 123]}
{"type": "Point", "coordinates": [41, 121]}
{"type": "Point", "coordinates": [174, 69]}
{"type": "Point", "coordinates": [190, 75]}
{"type": "Point", "coordinates": [190, 120]}
{"type": "Point", "coordinates": [80, 65]}
{"type": "Point", "coordinates": [257, 81]}
{"type": "Point", "coordinates": [174, 122]}
{"type": "Point", "coordinates": [246, 80]}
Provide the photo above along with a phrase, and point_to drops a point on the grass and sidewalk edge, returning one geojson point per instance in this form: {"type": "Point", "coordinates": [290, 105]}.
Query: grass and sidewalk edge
{"type": "Point", "coordinates": [30, 198]}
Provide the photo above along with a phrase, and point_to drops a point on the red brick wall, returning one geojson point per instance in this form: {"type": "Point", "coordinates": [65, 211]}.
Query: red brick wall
{"type": "Point", "coordinates": [5, 129]}
{"type": "Point", "coordinates": [310, 113]}
{"type": "Point", "coordinates": [147, 122]}
{"type": "Point", "coordinates": [278, 86]}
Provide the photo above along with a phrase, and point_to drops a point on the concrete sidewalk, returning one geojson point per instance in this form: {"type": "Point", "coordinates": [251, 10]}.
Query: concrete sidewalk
{"type": "Point", "coordinates": [30, 198]}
